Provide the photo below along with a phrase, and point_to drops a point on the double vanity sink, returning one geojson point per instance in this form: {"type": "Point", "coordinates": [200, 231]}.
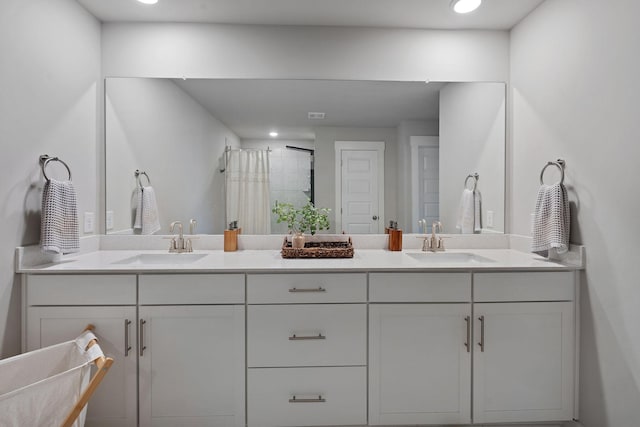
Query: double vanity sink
{"type": "Point", "coordinates": [383, 338]}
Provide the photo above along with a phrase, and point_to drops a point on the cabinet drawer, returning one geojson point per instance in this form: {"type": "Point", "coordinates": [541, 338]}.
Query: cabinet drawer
{"type": "Point", "coordinates": [191, 289]}
{"type": "Point", "coordinates": [524, 286]}
{"type": "Point", "coordinates": [307, 335]}
{"type": "Point", "coordinates": [337, 396]}
{"type": "Point", "coordinates": [81, 289]}
{"type": "Point", "coordinates": [420, 287]}
{"type": "Point", "coordinates": [306, 288]}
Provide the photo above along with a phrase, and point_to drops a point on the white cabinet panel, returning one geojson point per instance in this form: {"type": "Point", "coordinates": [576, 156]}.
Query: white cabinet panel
{"type": "Point", "coordinates": [419, 364]}
{"type": "Point", "coordinates": [81, 289]}
{"type": "Point", "coordinates": [336, 396]}
{"type": "Point", "coordinates": [524, 369]}
{"type": "Point", "coordinates": [524, 286]}
{"type": "Point", "coordinates": [174, 289]}
{"type": "Point", "coordinates": [306, 288]}
{"type": "Point", "coordinates": [307, 335]}
{"type": "Point", "coordinates": [192, 366]}
{"type": "Point", "coordinates": [420, 287]}
{"type": "Point", "coordinates": [114, 403]}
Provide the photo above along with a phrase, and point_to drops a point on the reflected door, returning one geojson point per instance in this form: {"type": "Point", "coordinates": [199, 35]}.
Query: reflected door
{"type": "Point", "coordinates": [360, 213]}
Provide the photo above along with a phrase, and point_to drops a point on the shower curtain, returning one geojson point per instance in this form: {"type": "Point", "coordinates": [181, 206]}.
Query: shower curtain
{"type": "Point", "coordinates": [247, 190]}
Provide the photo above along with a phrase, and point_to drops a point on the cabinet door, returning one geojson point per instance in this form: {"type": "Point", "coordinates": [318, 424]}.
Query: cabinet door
{"type": "Point", "coordinates": [114, 402]}
{"type": "Point", "coordinates": [523, 362]}
{"type": "Point", "coordinates": [420, 364]}
{"type": "Point", "coordinates": [192, 366]}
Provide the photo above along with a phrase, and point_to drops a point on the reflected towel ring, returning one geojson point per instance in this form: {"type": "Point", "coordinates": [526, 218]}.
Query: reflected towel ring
{"type": "Point", "coordinates": [475, 177]}
{"type": "Point", "coordinates": [44, 161]}
{"type": "Point", "coordinates": [559, 164]}
{"type": "Point", "coordinates": [138, 173]}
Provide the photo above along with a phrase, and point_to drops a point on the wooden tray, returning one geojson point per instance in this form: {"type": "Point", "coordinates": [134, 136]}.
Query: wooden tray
{"type": "Point", "coordinates": [319, 249]}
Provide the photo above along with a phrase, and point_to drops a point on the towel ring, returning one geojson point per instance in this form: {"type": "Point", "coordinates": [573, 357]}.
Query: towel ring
{"type": "Point", "coordinates": [559, 164]}
{"type": "Point", "coordinates": [138, 173]}
{"type": "Point", "coordinates": [475, 177]}
{"type": "Point", "coordinates": [44, 161]}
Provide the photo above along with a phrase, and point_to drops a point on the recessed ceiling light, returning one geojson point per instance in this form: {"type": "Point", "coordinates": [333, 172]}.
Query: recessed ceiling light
{"type": "Point", "coordinates": [273, 134]}
{"type": "Point", "coordinates": [148, 1]}
{"type": "Point", "coordinates": [465, 6]}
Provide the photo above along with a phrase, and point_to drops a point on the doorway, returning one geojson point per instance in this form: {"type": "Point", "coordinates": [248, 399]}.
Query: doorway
{"type": "Point", "coordinates": [425, 180]}
{"type": "Point", "coordinates": [359, 187]}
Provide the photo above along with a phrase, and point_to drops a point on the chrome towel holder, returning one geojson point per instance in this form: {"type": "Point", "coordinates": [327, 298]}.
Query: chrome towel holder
{"type": "Point", "coordinates": [475, 177]}
{"type": "Point", "coordinates": [138, 173]}
{"type": "Point", "coordinates": [560, 164]}
{"type": "Point", "coordinates": [45, 159]}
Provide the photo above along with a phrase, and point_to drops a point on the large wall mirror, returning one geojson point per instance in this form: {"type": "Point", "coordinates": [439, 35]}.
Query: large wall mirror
{"type": "Point", "coordinates": [198, 140]}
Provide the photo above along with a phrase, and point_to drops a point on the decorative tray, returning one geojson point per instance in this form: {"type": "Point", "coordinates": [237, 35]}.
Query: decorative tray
{"type": "Point", "coordinates": [319, 249]}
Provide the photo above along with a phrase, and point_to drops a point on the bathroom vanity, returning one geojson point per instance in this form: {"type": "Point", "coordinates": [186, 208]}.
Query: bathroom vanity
{"type": "Point", "coordinates": [381, 339]}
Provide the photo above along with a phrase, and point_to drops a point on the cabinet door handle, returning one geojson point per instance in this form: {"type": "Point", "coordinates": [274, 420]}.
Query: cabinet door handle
{"type": "Point", "coordinates": [320, 399]}
{"type": "Point", "coordinates": [318, 289]}
{"type": "Point", "coordinates": [295, 337]}
{"type": "Point", "coordinates": [127, 343]}
{"type": "Point", "coordinates": [142, 346]}
{"type": "Point", "coordinates": [481, 343]}
{"type": "Point", "coordinates": [467, 320]}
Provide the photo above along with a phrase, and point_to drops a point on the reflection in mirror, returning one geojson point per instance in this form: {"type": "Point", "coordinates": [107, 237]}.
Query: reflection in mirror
{"type": "Point", "coordinates": [182, 133]}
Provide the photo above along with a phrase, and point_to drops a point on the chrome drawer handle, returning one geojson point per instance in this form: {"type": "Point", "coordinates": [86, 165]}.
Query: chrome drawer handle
{"type": "Point", "coordinates": [127, 344]}
{"type": "Point", "coordinates": [320, 399]}
{"type": "Point", "coordinates": [481, 343]}
{"type": "Point", "coordinates": [318, 289]}
{"type": "Point", "coordinates": [466, 344]}
{"type": "Point", "coordinates": [142, 346]}
{"type": "Point", "coordinates": [295, 337]}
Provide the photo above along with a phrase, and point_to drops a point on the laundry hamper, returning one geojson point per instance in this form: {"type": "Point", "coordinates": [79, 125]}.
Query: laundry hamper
{"type": "Point", "coordinates": [51, 386]}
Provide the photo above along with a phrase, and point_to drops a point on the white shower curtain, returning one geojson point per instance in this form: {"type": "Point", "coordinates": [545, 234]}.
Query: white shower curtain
{"type": "Point", "coordinates": [247, 190]}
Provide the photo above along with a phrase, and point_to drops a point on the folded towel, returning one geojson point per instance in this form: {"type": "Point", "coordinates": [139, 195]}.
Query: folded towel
{"type": "Point", "coordinates": [137, 199]}
{"type": "Point", "coordinates": [477, 212]}
{"type": "Point", "coordinates": [59, 231]}
{"type": "Point", "coordinates": [150, 219]}
{"type": "Point", "coordinates": [466, 214]}
{"type": "Point", "coordinates": [551, 220]}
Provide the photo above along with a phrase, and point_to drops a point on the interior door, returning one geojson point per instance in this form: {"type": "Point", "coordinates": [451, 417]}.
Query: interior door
{"type": "Point", "coordinates": [428, 184]}
{"type": "Point", "coordinates": [360, 195]}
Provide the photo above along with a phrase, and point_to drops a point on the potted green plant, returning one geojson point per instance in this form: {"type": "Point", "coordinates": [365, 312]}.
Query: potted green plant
{"type": "Point", "coordinates": [308, 218]}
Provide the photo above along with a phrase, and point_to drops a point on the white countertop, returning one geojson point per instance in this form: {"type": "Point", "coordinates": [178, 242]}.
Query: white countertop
{"type": "Point", "coordinates": [270, 261]}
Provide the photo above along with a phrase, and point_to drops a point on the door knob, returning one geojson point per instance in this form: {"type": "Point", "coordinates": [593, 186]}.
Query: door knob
{"type": "Point", "coordinates": [375, 217]}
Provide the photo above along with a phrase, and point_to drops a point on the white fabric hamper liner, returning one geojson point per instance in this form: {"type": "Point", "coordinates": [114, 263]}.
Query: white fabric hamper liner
{"type": "Point", "coordinates": [45, 387]}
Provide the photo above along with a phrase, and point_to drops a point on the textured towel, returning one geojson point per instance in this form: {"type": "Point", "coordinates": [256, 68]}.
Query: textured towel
{"type": "Point", "coordinates": [147, 210]}
{"type": "Point", "coordinates": [477, 212]}
{"type": "Point", "coordinates": [551, 220]}
{"type": "Point", "coordinates": [137, 198]}
{"type": "Point", "coordinates": [466, 214]}
{"type": "Point", "coordinates": [59, 231]}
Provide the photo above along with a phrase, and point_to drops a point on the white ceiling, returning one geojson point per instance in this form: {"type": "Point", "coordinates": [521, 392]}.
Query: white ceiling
{"type": "Point", "coordinates": [251, 108]}
{"type": "Point", "coordinates": [436, 14]}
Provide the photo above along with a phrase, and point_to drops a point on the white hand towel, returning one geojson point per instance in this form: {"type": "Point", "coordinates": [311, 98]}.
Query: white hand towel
{"type": "Point", "coordinates": [551, 220]}
{"type": "Point", "coordinates": [466, 212]}
{"type": "Point", "coordinates": [137, 198]}
{"type": "Point", "coordinates": [59, 232]}
{"type": "Point", "coordinates": [150, 219]}
{"type": "Point", "coordinates": [477, 212]}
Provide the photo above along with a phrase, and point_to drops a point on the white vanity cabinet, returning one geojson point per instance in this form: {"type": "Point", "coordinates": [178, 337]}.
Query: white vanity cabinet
{"type": "Point", "coordinates": [306, 349]}
{"type": "Point", "coordinates": [524, 352]}
{"type": "Point", "coordinates": [191, 357]}
{"type": "Point", "coordinates": [59, 307]}
{"type": "Point", "coordinates": [419, 353]}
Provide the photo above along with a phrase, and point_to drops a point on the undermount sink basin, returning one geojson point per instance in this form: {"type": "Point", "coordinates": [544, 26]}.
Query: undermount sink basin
{"type": "Point", "coordinates": [449, 258]}
{"type": "Point", "coordinates": [171, 259]}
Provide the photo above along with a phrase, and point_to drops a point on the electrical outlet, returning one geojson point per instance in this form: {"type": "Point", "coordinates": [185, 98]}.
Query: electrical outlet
{"type": "Point", "coordinates": [109, 220]}
{"type": "Point", "coordinates": [489, 219]}
{"type": "Point", "coordinates": [89, 222]}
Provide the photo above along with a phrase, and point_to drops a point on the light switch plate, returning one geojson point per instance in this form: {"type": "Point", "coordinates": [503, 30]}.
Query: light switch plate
{"type": "Point", "coordinates": [89, 222]}
{"type": "Point", "coordinates": [489, 219]}
{"type": "Point", "coordinates": [109, 220]}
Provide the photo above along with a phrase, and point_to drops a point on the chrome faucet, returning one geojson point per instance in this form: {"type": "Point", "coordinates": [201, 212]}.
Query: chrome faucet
{"type": "Point", "coordinates": [178, 245]}
{"type": "Point", "coordinates": [434, 243]}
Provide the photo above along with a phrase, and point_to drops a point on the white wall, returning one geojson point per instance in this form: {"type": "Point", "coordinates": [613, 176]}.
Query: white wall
{"type": "Point", "coordinates": [51, 96]}
{"type": "Point", "coordinates": [472, 139]}
{"type": "Point", "coordinates": [154, 126]}
{"type": "Point", "coordinates": [253, 51]}
{"type": "Point", "coordinates": [575, 91]}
